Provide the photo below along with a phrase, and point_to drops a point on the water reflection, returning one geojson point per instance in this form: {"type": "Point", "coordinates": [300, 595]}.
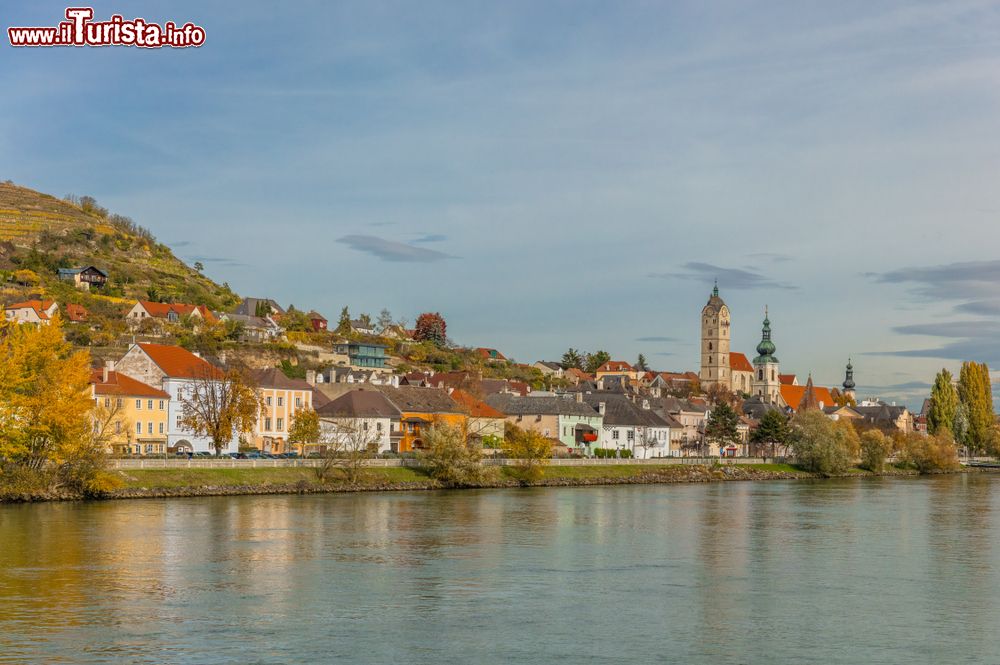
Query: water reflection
{"type": "Point", "coordinates": [885, 571]}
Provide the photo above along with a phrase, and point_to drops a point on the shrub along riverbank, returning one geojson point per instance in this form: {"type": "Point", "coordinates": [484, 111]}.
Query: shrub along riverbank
{"type": "Point", "coordinates": [153, 483]}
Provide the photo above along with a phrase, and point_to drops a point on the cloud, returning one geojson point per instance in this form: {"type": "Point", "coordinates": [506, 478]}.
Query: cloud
{"type": "Point", "coordinates": [431, 237]}
{"type": "Point", "coordinates": [730, 278]}
{"type": "Point", "coordinates": [180, 243]}
{"type": "Point", "coordinates": [656, 339]}
{"type": "Point", "coordinates": [390, 250]}
{"type": "Point", "coordinates": [952, 281]}
{"type": "Point", "coordinates": [220, 260]}
{"type": "Point", "coordinates": [663, 353]}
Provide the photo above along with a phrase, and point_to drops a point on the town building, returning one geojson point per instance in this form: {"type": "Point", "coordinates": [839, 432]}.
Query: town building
{"type": "Point", "coordinates": [281, 398]}
{"type": "Point", "coordinates": [574, 423]}
{"type": "Point", "coordinates": [85, 277]}
{"type": "Point", "coordinates": [715, 367]}
{"type": "Point", "coordinates": [259, 307]}
{"type": "Point", "coordinates": [367, 355]}
{"type": "Point", "coordinates": [420, 409]}
{"type": "Point", "coordinates": [630, 426]}
{"type": "Point", "coordinates": [31, 311]}
{"type": "Point", "coordinates": [766, 384]}
{"type": "Point", "coordinates": [170, 312]}
{"type": "Point", "coordinates": [361, 418]}
{"type": "Point", "coordinates": [135, 413]}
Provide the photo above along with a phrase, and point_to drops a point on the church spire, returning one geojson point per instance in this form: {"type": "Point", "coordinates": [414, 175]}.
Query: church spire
{"type": "Point", "coordinates": [715, 289]}
{"type": "Point", "coordinates": [849, 378]}
{"type": "Point", "coordinates": [766, 347]}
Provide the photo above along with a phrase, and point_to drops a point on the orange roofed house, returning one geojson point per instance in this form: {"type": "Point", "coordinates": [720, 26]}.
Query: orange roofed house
{"type": "Point", "coordinates": [484, 421]}
{"type": "Point", "coordinates": [133, 413]}
{"type": "Point", "coordinates": [170, 312]}
{"type": "Point", "coordinates": [177, 372]}
{"type": "Point", "coordinates": [31, 311]}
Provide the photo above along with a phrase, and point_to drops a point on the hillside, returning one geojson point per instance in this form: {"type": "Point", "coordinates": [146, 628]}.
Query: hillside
{"type": "Point", "coordinates": [41, 233]}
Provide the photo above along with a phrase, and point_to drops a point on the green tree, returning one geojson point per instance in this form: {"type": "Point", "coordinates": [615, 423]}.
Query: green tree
{"type": "Point", "coordinates": [641, 364]}
{"type": "Point", "coordinates": [572, 358]}
{"type": "Point", "coordinates": [344, 324]}
{"type": "Point", "coordinates": [530, 450]}
{"type": "Point", "coordinates": [817, 446]}
{"type": "Point", "coordinates": [771, 433]}
{"type": "Point", "coordinates": [595, 360]}
{"type": "Point", "coordinates": [976, 392]}
{"type": "Point", "coordinates": [384, 321]}
{"type": "Point", "coordinates": [304, 428]}
{"type": "Point", "coordinates": [450, 459]}
{"type": "Point", "coordinates": [931, 453]}
{"type": "Point", "coordinates": [874, 447]}
{"type": "Point", "coordinates": [722, 426]}
{"type": "Point", "coordinates": [198, 266]}
{"type": "Point", "coordinates": [944, 404]}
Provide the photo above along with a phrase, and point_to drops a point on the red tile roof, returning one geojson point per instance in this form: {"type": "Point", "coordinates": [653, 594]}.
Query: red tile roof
{"type": "Point", "coordinates": [615, 366]}
{"type": "Point", "coordinates": [120, 384]}
{"type": "Point", "coordinates": [476, 407]}
{"type": "Point", "coordinates": [739, 363]}
{"type": "Point", "coordinates": [490, 354]}
{"type": "Point", "coordinates": [160, 310]}
{"type": "Point", "coordinates": [76, 313]}
{"type": "Point", "coordinates": [793, 395]}
{"type": "Point", "coordinates": [38, 305]}
{"type": "Point", "coordinates": [580, 374]}
{"type": "Point", "coordinates": [180, 363]}
{"type": "Point", "coordinates": [786, 379]}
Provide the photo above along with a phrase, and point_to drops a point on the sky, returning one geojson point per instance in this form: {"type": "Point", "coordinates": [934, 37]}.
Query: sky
{"type": "Point", "coordinates": [559, 174]}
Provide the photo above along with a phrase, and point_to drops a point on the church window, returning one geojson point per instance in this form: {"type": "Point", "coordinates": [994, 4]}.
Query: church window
{"type": "Point", "coordinates": [709, 346]}
{"type": "Point", "coordinates": [772, 375]}
{"type": "Point", "coordinates": [710, 360]}
{"type": "Point", "coordinates": [760, 375]}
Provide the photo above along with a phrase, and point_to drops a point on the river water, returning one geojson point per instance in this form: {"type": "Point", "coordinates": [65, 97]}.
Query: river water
{"type": "Point", "coordinates": [862, 571]}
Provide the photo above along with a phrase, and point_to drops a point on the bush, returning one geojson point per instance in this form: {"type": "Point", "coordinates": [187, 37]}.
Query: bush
{"type": "Point", "coordinates": [612, 453]}
{"type": "Point", "coordinates": [874, 448]}
{"type": "Point", "coordinates": [451, 460]}
{"type": "Point", "coordinates": [931, 454]}
{"type": "Point", "coordinates": [531, 451]}
{"type": "Point", "coordinates": [819, 445]}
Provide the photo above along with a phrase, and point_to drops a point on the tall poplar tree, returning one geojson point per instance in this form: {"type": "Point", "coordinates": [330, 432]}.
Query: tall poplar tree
{"type": "Point", "coordinates": [944, 404]}
{"type": "Point", "coordinates": [976, 393]}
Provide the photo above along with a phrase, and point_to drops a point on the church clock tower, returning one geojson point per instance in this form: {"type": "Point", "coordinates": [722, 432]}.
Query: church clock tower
{"type": "Point", "coordinates": [766, 383]}
{"type": "Point", "coordinates": [715, 368]}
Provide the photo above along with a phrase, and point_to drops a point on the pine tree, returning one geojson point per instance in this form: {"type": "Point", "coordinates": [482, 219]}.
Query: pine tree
{"type": "Point", "coordinates": [572, 358]}
{"type": "Point", "coordinates": [344, 325]}
{"type": "Point", "coordinates": [641, 364]}
{"type": "Point", "coordinates": [944, 404]}
{"type": "Point", "coordinates": [722, 425]}
{"type": "Point", "coordinates": [772, 431]}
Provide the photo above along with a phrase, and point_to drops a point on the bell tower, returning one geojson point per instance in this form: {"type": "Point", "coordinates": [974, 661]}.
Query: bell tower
{"type": "Point", "coordinates": [715, 368]}
{"type": "Point", "coordinates": [849, 382]}
{"type": "Point", "coordinates": [766, 383]}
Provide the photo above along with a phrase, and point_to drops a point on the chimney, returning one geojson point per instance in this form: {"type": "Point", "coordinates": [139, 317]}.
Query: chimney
{"type": "Point", "coordinates": [311, 377]}
{"type": "Point", "coordinates": [579, 398]}
{"type": "Point", "coordinates": [109, 366]}
{"type": "Point", "coordinates": [222, 358]}
{"type": "Point", "coordinates": [645, 404]}
{"type": "Point", "coordinates": [602, 407]}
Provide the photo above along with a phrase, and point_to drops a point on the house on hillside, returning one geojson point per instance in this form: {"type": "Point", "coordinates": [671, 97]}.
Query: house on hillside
{"type": "Point", "coordinates": [363, 354]}
{"type": "Point", "coordinates": [260, 307]}
{"type": "Point", "coordinates": [489, 355]}
{"type": "Point", "coordinates": [362, 327]}
{"type": "Point", "coordinates": [317, 321]}
{"type": "Point", "coordinates": [576, 375]}
{"type": "Point", "coordinates": [549, 368]}
{"type": "Point", "coordinates": [177, 372]}
{"type": "Point", "coordinates": [253, 328]}
{"type": "Point", "coordinates": [84, 278]}
{"type": "Point", "coordinates": [485, 422]}
{"type": "Point", "coordinates": [361, 417]}
{"type": "Point", "coordinates": [76, 313]}
{"type": "Point", "coordinates": [136, 413]}
{"type": "Point", "coordinates": [31, 311]}
{"type": "Point", "coordinates": [342, 374]}
{"type": "Point", "coordinates": [572, 421]}
{"type": "Point", "coordinates": [169, 312]}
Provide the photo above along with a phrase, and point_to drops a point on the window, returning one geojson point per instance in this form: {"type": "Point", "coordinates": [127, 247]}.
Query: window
{"type": "Point", "coordinates": [281, 401]}
{"type": "Point", "coordinates": [118, 427]}
{"type": "Point", "coordinates": [149, 448]}
{"type": "Point", "coordinates": [760, 375]}
{"type": "Point", "coordinates": [161, 428]}
{"type": "Point", "coordinates": [364, 425]}
{"type": "Point", "coordinates": [709, 346]}
{"type": "Point", "coordinates": [121, 403]}
{"type": "Point", "coordinates": [107, 402]}
{"type": "Point", "coordinates": [268, 400]}
{"type": "Point", "coordinates": [149, 404]}
{"type": "Point", "coordinates": [378, 427]}
{"type": "Point", "coordinates": [298, 402]}
{"type": "Point", "coordinates": [162, 403]}
{"type": "Point", "coordinates": [149, 427]}
{"type": "Point", "coordinates": [138, 427]}
{"type": "Point", "coordinates": [267, 424]}
{"type": "Point", "coordinates": [280, 422]}
{"type": "Point", "coordinates": [138, 405]}
{"type": "Point", "coordinates": [614, 435]}
{"type": "Point", "coordinates": [631, 435]}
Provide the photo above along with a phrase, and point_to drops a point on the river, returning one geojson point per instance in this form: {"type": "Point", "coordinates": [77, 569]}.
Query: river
{"type": "Point", "coordinates": [853, 571]}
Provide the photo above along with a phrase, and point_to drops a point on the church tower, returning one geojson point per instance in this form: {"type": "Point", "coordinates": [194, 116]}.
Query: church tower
{"type": "Point", "coordinates": [849, 382]}
{"type": "Point", "coordinates": [715, 368]}
{"type": "Point", "coordinates": [766, 383]}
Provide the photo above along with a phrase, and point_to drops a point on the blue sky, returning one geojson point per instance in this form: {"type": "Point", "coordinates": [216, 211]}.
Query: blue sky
{"type": "Point", "coordinates": [559, 174]}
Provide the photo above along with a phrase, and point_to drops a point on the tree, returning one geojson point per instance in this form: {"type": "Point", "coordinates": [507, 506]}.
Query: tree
{"type": "Point", "coordinates": [722, 426]}
{"type": "Point", "coordinates": [595, 360]}
{"type": "Point", "coordinates": [531, 452]}
{"type": "Point", "coordinates": [220, 405]}
{"type": "Point", "coordinates": [817, 445]}
{"type": "Point", "coordinates": [874, 448]}
{"type": "Point", "coordinates": [450, 459]}
{"type": "Point", "coordinates": [771, 433]}
{"type": "Point", "coordinates": [345, 444]}
{"type": "Point", "coordinates": [641, 364]}
{"type": "Point", "coordinates": [431, 327]}
{"type": "Point", "coordinates": [47, 435]}
{"type": "Point", "coordinates": [198, 266]}
{"type": "Point", "coordinates": [384, 321]}
{"type": "Point", "coordinates": [931, 453]}
{"type": "Point", "coordinates": [26, 277]}
{"type": "Point", "coordinates": [976, 392]}
{"type": "Point", "coordinates": [366, 321]}
{"type": "Point", "coordinates": [304, 428]}
{"type": "Point", "coordinates": [944, 404]}
{"type": "Point", "coordinates": [344, 324]}
{"type": "Point", "coordinates": [572, 358]}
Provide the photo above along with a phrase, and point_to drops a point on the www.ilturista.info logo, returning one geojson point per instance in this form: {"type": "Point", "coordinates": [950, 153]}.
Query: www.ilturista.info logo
{"type": "Point", "coordinates": [80, 30]}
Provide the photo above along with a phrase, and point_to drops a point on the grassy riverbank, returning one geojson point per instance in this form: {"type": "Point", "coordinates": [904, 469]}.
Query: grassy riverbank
{"type": "Point", "coordinates": [151, 483]}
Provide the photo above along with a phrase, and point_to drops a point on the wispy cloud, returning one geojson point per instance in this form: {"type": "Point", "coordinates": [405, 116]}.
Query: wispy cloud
{"type": "Point", "coordinates": [970, 340]}
{"type": "Point", "coordinates": [390, 250]}
{"type": "Point", "coordinates": [967, 280]}
{"type": "Point", "coordinates": [773, 257]}
{"type": "Point", "coordinates": [730, 278]}
{"type": "Point", "coordinates": [220, 260]}
{"type": "Point", "coordinates": [431, 237]}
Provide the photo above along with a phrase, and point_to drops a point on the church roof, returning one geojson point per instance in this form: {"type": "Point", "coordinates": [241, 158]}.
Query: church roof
{"type": "Point", "coordinates": [793, 395]}
{"type": "Point", "coordinates": [739, 363]}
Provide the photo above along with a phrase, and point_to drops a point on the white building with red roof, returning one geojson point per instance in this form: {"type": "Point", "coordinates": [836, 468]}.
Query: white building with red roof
{"type": "Point", "coordinates": [31, 311]}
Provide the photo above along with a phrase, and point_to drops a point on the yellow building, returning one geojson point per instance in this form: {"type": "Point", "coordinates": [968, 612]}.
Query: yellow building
{"type": "Point", "coordinates": [280, 398]}
{"type": "Point", "coordinates": [132, 413]}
